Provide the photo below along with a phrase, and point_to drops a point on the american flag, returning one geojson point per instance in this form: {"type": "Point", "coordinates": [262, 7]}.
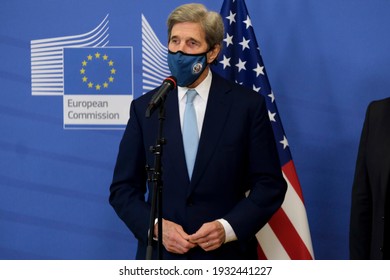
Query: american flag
{"type": "Point", "coordinates": [287, 234]}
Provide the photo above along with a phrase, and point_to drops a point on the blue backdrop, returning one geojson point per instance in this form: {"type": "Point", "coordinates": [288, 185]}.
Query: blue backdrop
{"type": "Point", "coordinates": [326, 60]}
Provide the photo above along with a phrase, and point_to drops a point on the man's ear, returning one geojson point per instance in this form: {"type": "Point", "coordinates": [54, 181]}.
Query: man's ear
{"type": "Point", "coordinates": [213, 53]}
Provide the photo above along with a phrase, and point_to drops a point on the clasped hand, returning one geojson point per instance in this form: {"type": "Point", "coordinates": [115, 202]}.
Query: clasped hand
{"type": "Point", "coordinates": [210, 236]}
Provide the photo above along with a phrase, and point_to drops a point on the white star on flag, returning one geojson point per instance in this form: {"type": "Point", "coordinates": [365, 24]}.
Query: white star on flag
{"type": "Point", "coordinates": [248, 22]}
{"type": "Point", "coordinates": [271, 95]}
{"type": "Point", "coordinates": [244, 43]}
{"type": "Point", "coordinates": [225, 62]}
{"type": "Point", "coordinates": [228, 40]}
{"type": "Point", "coordinates": [284, 142]}
{"type": "Point", "coordinates": [259, 70]}
{"type": "Point", "coordinates": [241, 65]}
{"type": "Point", "coordinates": [231, 18]}
{"type": "Point", "coordinates": [271, 116]}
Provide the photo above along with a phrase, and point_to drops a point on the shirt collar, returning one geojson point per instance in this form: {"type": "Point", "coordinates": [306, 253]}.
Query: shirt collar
{"type": "Point", "coordinates": [202, 89]}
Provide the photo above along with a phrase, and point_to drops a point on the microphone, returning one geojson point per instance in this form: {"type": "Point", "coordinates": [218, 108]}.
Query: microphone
{"type": "Point", "coordinates": [167, 85]}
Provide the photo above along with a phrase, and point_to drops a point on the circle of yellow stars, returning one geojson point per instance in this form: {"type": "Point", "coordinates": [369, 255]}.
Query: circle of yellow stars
{"type": "Point", "coordinates": [94, 84]}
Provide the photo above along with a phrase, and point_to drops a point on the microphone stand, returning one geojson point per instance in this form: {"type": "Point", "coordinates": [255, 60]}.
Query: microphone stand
{"type": "Point", "coordinates": [155, 176]}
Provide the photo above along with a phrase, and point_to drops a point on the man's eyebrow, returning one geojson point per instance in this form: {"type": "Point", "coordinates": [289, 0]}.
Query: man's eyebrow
{"type": "Point", "coordinates": [186, 39]}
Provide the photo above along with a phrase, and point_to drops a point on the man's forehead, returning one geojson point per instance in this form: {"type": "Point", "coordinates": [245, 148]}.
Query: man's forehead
{"type": "Point", "coordinates": [188, 30]}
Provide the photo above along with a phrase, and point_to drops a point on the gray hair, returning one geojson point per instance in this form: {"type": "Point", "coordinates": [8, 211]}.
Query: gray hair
{"type": "Point", "coordinates": [210, 21]}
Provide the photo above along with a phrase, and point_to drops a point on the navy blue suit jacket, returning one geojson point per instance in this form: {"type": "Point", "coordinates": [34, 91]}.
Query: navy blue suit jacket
{"type": "Point", "coordinates": [236, 153]}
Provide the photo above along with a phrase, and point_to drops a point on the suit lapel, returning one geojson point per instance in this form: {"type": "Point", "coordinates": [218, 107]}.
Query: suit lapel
{"type": "Point", "coordinates": [174, 150]}
{"type": "Point", "coordinates": [218, 106]}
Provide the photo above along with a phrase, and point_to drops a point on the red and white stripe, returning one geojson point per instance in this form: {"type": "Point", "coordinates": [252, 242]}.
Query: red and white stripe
{"type": "Point", "coordinates": [287, 234]}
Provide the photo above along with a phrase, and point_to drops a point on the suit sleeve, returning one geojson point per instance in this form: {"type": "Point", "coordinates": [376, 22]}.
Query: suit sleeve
{"type": "Point", "coordinates": [128, 188]}
{"type": "Point", "coordinates": [268, 186]}
{"type": "Point", "coordinates": [361, 205]}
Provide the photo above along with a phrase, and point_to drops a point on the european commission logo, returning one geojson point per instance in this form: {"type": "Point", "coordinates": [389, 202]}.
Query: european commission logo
{"type": "Point", "coordinates": [95, 80]}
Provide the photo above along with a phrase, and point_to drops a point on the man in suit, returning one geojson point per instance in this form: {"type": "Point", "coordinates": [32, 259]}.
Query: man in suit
{"type": "Point", "coordinates": [369, 235]}
{"type": "Point", "coordinates": [207, 213]}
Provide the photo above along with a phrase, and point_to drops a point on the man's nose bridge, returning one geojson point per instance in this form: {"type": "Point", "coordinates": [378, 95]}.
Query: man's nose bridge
{"type": "Point", "coordinates": [182, 46]}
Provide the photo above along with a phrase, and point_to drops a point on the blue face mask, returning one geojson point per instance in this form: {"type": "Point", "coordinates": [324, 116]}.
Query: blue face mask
{"type": "Point", "coordinates": [186, 67]}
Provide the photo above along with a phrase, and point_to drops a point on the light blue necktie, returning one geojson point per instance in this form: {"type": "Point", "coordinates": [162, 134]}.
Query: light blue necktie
{"type": "Point", "coordinates": [190, 131]}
